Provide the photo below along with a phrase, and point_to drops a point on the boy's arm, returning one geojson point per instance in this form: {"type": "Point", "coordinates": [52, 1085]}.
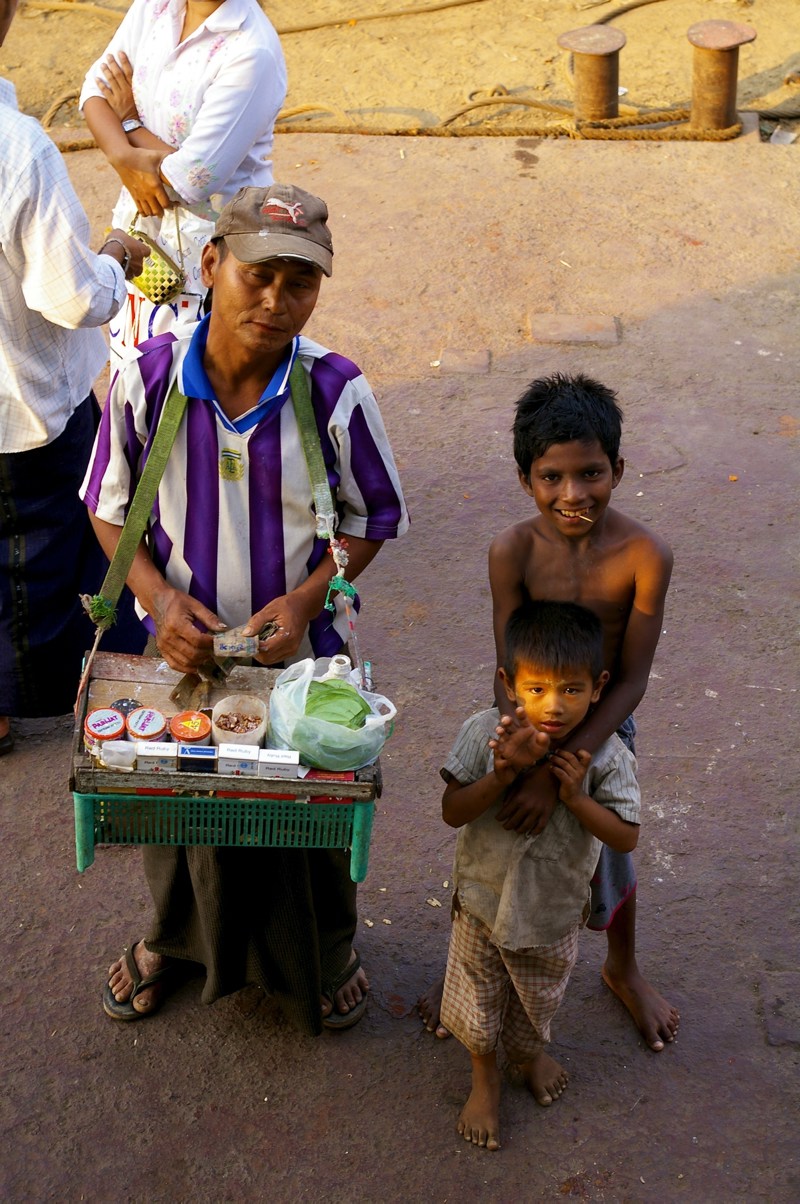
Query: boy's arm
{"type": "Point", "coordinates": [603, 822]}
{"type": "Point", "coordinates": [516, 747]}
{"type": "Point", "coordinates": [531, 801]}
{"type": "Point", "coordinates": [642, 632]}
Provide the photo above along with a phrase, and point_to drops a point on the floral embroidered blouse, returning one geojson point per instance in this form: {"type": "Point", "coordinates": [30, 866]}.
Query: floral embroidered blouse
{"type": "Point", "coordinates": [214, 97]}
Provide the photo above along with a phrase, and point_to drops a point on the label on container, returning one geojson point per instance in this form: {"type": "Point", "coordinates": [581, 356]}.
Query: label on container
{"type": "Point", "coordinates": [155, 756]}
{"type": "Point", "coordinates": [191, 727]}
{"type": "Point", "coordinates": [239, 760]}
{"type": "Point", "coordinates": [278, 763]}
{"type": "Point", "coordinates": [104, 723]}
{"type": "Point", "coordinates": [146, 724]}
{"type": "Point", "coordinates": [197, 758]}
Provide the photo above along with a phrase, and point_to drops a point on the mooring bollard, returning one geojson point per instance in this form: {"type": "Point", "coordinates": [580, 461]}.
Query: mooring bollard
{"type": "Point", "coordinates": [714, 71]}
{"type": "Point", "coordinates": [596, 49]}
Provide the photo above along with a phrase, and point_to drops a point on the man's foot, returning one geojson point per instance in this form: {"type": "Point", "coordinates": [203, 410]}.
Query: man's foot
{"type": "Point", "coordinates": [656, 1019]}
{"type": "Point", "coordinates": [121, 982]}
{"type": "Point", "coordinates": [346, 1000]}
{"type": "Point", "coordinates": [479, 1121]}
{"type": "Point", "coordinates": [429, 1007]}
{"type": "Point", "coordinates": [544, 1078]}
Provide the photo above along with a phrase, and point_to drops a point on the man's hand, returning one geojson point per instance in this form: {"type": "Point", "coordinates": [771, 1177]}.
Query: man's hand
{"type": "Point", "coordinates": [116, 85]}
{"type": "Point", "coordinates": [182, 624]}
{"type": "Point", "coordinates": [570, 770]}
{"type": "Point", "coordinates": [292, 621]}
{"type": "Point", "coordinates": [137, 250]}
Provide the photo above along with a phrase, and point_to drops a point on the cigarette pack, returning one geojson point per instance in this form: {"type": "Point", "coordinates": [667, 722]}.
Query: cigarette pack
{"type": "Point", "coordinates": [278, 763]}
{"type": "Point", "coordinates": [240, 760]}
{"type": "Point", "coordinates": [197, 758]}
{"type": "Point", "coordinates": [156, 756]}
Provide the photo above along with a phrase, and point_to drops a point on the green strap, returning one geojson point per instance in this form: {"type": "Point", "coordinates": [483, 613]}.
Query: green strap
{"type": "Point", "coordinates": [140, 510]}
{"type": "Point", "coordinates": [312, 449]}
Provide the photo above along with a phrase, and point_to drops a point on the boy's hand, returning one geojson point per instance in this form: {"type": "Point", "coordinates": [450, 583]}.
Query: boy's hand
{"type": "Point", "coordinates": [530, 802]}
{"type": "Point", "coordinates": [570, 770]}
{"type": "Point", "coordinates": [518, 744]}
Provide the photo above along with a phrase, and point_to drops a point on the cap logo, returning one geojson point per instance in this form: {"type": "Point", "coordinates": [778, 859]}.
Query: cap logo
{"type": "Point", "coordinates": [284, 211]}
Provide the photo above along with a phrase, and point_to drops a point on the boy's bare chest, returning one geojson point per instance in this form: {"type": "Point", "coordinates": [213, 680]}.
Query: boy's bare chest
{"type": "Point", "coordinates": [603, 583]}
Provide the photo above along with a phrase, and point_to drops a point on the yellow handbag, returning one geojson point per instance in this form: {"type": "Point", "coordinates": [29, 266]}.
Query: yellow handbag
{"type": "Point", "coordinates": [161, 279]}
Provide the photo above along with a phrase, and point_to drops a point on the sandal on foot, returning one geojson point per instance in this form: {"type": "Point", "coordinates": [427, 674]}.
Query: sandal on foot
{"type": "Point", "coordinates": [335, 1018]}
{"type": "Point", "coordinates": [126, 1011]}
{"type": "Point", "coordinates": [6, 744]}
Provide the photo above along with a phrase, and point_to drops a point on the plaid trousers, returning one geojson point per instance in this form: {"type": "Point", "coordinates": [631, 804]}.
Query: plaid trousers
{"type": "Point", "coordinates": [491, 993]}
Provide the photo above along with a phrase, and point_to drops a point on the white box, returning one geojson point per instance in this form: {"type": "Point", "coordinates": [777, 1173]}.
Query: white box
{"type": "Point", "coordinates": [278, 763]}
{"type": "Point", "coordinates": [239, 760]}
{"type": "Point", "coordinates": [156, 756]}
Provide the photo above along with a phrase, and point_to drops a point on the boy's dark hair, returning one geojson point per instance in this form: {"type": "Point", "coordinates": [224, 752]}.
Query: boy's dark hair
{"type": "Point", "coordinates": [560, 408]}
{"type": "Point", "coordinates": [560, 636]}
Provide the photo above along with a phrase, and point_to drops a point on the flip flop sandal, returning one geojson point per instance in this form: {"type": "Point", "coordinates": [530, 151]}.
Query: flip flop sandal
{"type": "Point", "coordinates": [6, 744]}
{"type": "Point", "coordinates": [126, 1010]}
{"type": "Point", "coordinates": [337, 1019]}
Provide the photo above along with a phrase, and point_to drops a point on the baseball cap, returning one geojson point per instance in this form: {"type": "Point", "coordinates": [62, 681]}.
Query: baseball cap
{"type": "Point", "coordinates": [278, 222]}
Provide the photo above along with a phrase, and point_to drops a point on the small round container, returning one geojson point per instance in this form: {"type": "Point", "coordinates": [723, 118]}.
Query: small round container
{"type": "Point", "coordinates": [101, 725]}
{"type": "Point", "coordinates": [190, 727]}
{"type": "Point", "coordinates": [239, 719]}
{"type": "Point", "coordinates": [126, 705]}
{"type": "Point", "coordinates": [146, 724]}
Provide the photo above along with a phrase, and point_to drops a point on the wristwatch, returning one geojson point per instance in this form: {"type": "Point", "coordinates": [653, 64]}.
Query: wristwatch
{"type": "Point", "coordinates": [130, 124]}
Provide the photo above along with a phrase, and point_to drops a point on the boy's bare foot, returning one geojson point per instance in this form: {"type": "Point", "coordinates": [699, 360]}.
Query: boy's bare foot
{"type": "Point", "coordinates": [121, 984]}
{"type": "Point", "coordinates": [479, 1121]}
{"type": "Point", "coordinates": [429, 1007]}
{"type": "Point", "coordinates": [544, 1078]}
{"type": "Point", "coordinates": [656, 1019]}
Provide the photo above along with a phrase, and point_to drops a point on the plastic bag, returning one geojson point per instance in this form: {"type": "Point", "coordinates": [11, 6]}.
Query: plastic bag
{"type": "Point", "coordinates": [321, 744]}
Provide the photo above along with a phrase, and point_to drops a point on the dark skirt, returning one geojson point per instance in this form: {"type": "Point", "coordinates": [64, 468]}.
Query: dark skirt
{"type": "Point", "coordinates": [48, 556]}
{"type": "Point", "coordinates": [282, 919]}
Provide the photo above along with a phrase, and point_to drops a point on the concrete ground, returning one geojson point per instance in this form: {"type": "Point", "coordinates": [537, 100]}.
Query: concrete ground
{"type": "Point", "coordinates": [463, 269]}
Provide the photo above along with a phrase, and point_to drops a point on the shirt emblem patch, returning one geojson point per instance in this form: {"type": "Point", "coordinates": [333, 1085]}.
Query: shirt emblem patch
{"type": "Point", "coordinates": [230, 465]}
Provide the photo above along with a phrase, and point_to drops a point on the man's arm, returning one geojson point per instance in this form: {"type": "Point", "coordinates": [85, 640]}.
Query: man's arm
{"type": "Point", "coordinates": [294, 611]}
{"type": "Point", "coordinates": [46, 241]}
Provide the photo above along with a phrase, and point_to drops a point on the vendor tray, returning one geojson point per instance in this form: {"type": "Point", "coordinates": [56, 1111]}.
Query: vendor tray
{"type": "Point", "coordinates": [324, 810]}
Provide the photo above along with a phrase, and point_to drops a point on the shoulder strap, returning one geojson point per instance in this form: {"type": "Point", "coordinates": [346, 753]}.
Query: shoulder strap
{"type": "Point", "coordinates": [102, 606]}
{"type": "Point", "coordinates": [312, 449]}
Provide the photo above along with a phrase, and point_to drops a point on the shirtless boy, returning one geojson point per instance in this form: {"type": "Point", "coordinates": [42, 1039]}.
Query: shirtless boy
{"type": "Point", "coordinates": [578, 549]}
{"type": "Point", "coordinates": [519, 904]}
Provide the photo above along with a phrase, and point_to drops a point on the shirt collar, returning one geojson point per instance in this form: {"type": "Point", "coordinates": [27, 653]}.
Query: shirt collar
{"type": "Point", "coordinates": [229, 15]}
{"type": "Point", "coordinates": [195, 382]}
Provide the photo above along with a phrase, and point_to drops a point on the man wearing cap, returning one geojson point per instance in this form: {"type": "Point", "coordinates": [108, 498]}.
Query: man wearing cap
{"type": "Point", "coordinates": [233, 538]}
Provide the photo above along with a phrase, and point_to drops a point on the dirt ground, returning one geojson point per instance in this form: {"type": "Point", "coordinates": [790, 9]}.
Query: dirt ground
{"type": "Point", "coordinates": [464, 268]}
{"type": "Point", "coordinates": [405, 70]}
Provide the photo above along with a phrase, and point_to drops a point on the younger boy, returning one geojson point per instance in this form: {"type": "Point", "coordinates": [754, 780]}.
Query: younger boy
{"type": "Point", "coordinates": [567, 434]}
{"type": "Point", "coordinates": [519, 903]}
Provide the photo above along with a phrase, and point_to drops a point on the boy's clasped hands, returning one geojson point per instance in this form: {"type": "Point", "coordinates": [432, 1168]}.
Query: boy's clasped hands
{"type": "Point", "coordinates": [518, 748]}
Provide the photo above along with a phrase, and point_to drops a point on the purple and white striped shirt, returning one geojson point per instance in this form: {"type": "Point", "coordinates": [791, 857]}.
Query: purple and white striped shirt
{"type": "Point", "coordinates": [233, 523]}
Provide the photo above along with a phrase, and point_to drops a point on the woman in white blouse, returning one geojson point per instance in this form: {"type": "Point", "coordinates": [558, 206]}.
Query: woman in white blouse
{"type": "Point", "coordinates": [183, 104]}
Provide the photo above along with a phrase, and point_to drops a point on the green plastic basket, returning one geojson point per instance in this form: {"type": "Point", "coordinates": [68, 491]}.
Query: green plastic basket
{"type": "Point", "coordinates": [233, 822]}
